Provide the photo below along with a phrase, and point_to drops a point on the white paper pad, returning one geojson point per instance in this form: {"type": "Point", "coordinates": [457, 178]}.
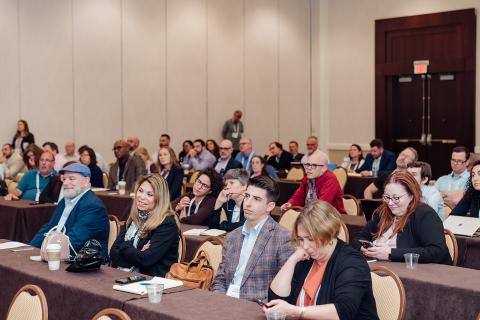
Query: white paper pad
{"type": "Point", "coordinates": [99, 189]}
{"type": "Point", "coordinates": [141, 287]}
{"type": "Point", "coordinates": [193, 232]}
{"type": "Point", "coordinates": [11, 245]}
{"type": "Point", "coordinates": [204, 232]}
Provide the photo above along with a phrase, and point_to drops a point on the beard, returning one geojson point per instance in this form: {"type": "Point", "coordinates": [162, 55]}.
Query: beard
{"type": "Point", "coordinates": [72, 193]}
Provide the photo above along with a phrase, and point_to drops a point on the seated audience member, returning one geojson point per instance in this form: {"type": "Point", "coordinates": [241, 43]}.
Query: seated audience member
{"type": "Point", "coordinates": [196, 207]}
{"type": "Point", "coordinates": [59, 158]}
{"type": "Point", "coordinates": [355, 158]}
{"type": "Point", "coordinates": [212, 147]}
{"type": "Point", "coordinates": [312, 147]}
{"type": "Point", "coordinates": [280, 159]}
{"type": "Point", "coordinates": [134, 143]}
{"type": "Point", "coordinates": [70, 154]}
{"type": "Point", "coordinates": [148, 242]}
{"type": "Point", "coordinates": [101, 163]}
{"type": "Point", "coordinates": [23, 137]}
{"type": "Point", "coordinates": [469, 205]}
{"type": "Point", "coordinates": [35, 180]}
{"type": "Point", "coordinates": [31, 156]}
{"type": "Point", "coordinates": [80, 213]}
{"type": "Point", "coordinates": [378, 162]}
{"type": "Point", "coordinates": [261, 168]}
{"type": "Point", "coordinates": [89, 158]}
{"type": "Point", "coordinates": [163, 142]}
{"type": "Point", "coordinates": [403, 224]}
{"type": "Point", "coordinates": [452, 185]}
{"type": "Point", "coordinates": [471, 161]}
{"type": "Point", "coordinates": [127, 168]}
{"type": "Point", "coordinates": [293, 149]}
{"type": "Point", "coordinates": [53, 191]}
{"type": "Point", "coordinates": [253, 253]}
{"type": "Point", "coordinates": [199, 158]}
{"type": "Point", "coordinates": [13, 162]}
{"type": "Point", "coordinates": [324, 277]}
{"type": "Point", "coordinates": [228, 211]}
{"type": "Point", "coordinates": [225, 162]}
{"type": "Point", "coordinates": [318, 183]}
{"type": "Point", "coordinates": [422, 172]}
{"type": "Point", "coordinates": [246, 154]}
{"type": "Point", "coordinates": [142, 153]}
{"type": "Point", "coordinates": [405, 157]}
{"type": "Point", "coordinates": [168, 167]}
{"type": "Point", "coordinates": [186, 147]}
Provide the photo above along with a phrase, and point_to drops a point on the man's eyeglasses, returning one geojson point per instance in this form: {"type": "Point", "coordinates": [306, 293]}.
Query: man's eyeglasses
{"type": "Point", "coordinates": [394, 199]}
{"type": "Point", "coordinates": [224, 148]}
{"type": "Point", "coordinates": [312, 165]}
{"type": "Point", "coordinates": [45, 160]}
{"type": "Point", "coordinates": [455, 161]}
{"type": "Point", "coordinates": [202, 185]}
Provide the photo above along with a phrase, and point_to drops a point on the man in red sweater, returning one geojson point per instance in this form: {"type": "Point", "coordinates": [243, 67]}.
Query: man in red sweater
{"type": "Point", "coordinates": [319, 183]}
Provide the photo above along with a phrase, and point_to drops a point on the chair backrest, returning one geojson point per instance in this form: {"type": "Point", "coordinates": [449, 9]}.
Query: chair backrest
{"type": "Point", "coordinates": [389, 293]}
{"type": "Point", "coordinates": [194, 177]}
{"type": "Point", "coordinates": [446, 210]}
{"type": "Point", "coordinates": [105, 180]}
{"type": "Point", "coordinates": [113, 231]}
{"type": "Point", "coordinates": [29, 303]}
{"type": "Point", "coordinates": [352, 205]}
{"type": "Point", "coordinates": [110, 314]}
{"type": "Point", "coordinates": [452, 246]}
{"type": "Point", "coordinates": [342, 176]}
{"type": "Point", "coordinates": [181, 247]}
{"type": "Point", "coordinates": [213, 247]}
{"type": "Point", "coordinates": [343, 234]}
{"type": "Point", "coordinates": [295, 174]}
{"type": "Point", "coordinates": [288, 219]}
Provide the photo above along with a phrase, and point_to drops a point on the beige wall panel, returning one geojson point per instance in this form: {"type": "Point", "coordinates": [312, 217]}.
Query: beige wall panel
{"type": "Point", "coordinates": [9, 64]}
{"type": "Point", "coordinates": [294, 72]}
{"type": "Point", "coordinates": [225, 62]}
{"type": "Point", "coordinates": [186, 70]}
{"type": "Point", "coordinates": [144, 71]}
{"type": "Point", "coordinates": [261, 72]}
{"type": "Point", "coordinates": [46, 69]}
{"type": "Point", "coordinates": [97, 69]}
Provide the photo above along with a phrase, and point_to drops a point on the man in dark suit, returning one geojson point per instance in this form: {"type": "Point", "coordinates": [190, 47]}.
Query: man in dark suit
{"type": "Point", "coordinates": [293, 149]}
{"type": "Point", "coordinates": [127, 168]}
{"type": "Point", "coordinates": [226, 162]}
{"type": "Point", "coordinates": [379, 161]}
{"type": "Point", "coordinates": [280, 159]}
{"type": "Point", "coordinates": [80, 212]}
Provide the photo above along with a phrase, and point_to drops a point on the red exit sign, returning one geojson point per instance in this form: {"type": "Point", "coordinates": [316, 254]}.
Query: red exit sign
{"type": "Point", "coordinates": [420, 66]}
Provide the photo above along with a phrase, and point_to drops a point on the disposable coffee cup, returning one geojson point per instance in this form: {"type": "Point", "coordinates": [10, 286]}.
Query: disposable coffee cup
{"type": "Point", "coordinates": [121, 187]}
{"type": "Point", "coordinates": [53, 256]}
{"type": "Point", "coordinates": [411, 260]}
{"type": "Point", "coordinates": [155, 291]}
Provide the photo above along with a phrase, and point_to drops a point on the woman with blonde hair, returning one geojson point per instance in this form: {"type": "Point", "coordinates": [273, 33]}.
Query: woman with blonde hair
{"type": "Point", "coordinates": [148, 242]}
{"type": "Point", "coordinates": [143, 153]}
{"type": "Point", "coordinates": [167, 166]}
{"type": "Point", "coordinates": [324, 278]}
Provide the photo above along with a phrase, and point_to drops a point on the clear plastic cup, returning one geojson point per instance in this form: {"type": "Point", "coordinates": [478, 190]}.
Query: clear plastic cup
{"type": "Point", "coordinates": [122, 185]}
{"type": "Point", "coordinates": [155, 291]}
{"type": "Point", "coordinates": [411, 260]}
{"type": "Point", "coordinates": [275, 315]}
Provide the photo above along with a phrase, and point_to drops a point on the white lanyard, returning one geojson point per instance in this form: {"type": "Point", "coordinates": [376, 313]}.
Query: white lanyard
{"type": "Point", "coordinates": [164, 173]}
{"type": "Point", "coordinates": [190, 206]}
{"type": "Point", "coordinates": [236, 128]}
{"type": "Point", "coordinates": [302, 293]}
{"type": "Point", "coordinates": [37, 195]}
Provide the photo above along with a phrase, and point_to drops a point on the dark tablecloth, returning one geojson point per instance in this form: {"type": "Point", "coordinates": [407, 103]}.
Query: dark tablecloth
{"type": "Point", "coordinates": [118, 205]}
{"type": "Point", "coordinates": [356, 185]}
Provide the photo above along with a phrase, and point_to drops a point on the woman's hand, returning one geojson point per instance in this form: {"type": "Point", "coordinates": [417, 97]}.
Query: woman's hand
{"type": "Point", "coordinates": [299, 255]}
{"type": "Point", "coordinates": [381, 251]}
{"type": "Point", "coordinates": [284, 307]}
{"type": "Point", "coordinates": [146, 246]}
{"type": "Point", "coordinates": [221, 199]}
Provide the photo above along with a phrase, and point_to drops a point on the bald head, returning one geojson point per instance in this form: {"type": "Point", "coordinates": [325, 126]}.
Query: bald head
{"type": "Point", "coordinates": [133, 142]}
{"type": "Point", "coordinates": [226, 149]}
{"type": "Point", "coordinates": [121, 149]}
{"type": "Point", "coordinates": [316, 164]}
{"type": "Point", "coordinates": [312, 144]}
{"type": "Point", "coordinates": [70, 149]}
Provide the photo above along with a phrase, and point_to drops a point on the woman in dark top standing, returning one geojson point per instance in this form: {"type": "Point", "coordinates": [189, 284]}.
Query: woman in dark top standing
{"type": "Point", "coordinates": [167, 165]}
{"type": "Point", "coordinates": [196, 207]}
{"type": "Point", "coordinates": [470, 203]}
{"type": "Point", "coordinates": [148, 242]}
{"type": "Point", "coordinates": [324, 278]}
{"type": "Point", "coordinates": [402, 224]}
{"type": "Point", "coordinates": [23, 137]}
{"type": "Point", "coordinates": [88, 158]}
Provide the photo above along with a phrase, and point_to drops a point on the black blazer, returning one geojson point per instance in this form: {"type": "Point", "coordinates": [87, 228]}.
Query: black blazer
{"type": "Point", "coordinates": [96, 178]}
{"type": "Point", "coordinates": [298, 157]}
{"type": "Point", "coordinates": [423, 234]}
{"type": "Point", "coordinates": [231, 164]}
{"type": "Point", "coordinates": [387, 163]}
{"type": "Point", "coordinates": [174, 180]}
{"type": "Point", "coordinates": [467, 207]}
{"type": "Point", "coordinates": [284, 163]}
{"type": "Point", "coordinates": [154, 261]}
{"type": "Point", "coordinates": [214, 222]}
{"type": "Point", "coordinates": [346, 283]}
{"type": "Point", "coordinates": [27, 140]}
{"type": "Point", "coordinates": [203, 213]}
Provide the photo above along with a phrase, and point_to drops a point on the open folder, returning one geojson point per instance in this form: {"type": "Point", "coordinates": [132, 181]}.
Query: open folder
{"type": "Point", "coordinates": [141, 287]}
{"type": "Point", "coordinates": [205, 232]}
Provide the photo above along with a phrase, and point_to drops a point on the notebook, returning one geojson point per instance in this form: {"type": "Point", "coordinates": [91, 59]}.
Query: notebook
{"type": "Point", "coordinates": [463, 226]}
{"type": "Point", "coordinates": [204, 232]}
{"type": "Point", "coordinates": [141, 287]}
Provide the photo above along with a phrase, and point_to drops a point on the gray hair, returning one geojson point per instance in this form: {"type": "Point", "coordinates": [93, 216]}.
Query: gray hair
{"type": "Point", "coordinates": [237, 174]}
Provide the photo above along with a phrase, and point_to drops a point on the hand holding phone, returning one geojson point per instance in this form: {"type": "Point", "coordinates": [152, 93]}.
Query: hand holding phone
{"type": "Point", "coordinates": [366, 244]}
{"type": "Point", "coordinates": [131, 279]}
{"type": "Point", "coordinates": [259, 302]}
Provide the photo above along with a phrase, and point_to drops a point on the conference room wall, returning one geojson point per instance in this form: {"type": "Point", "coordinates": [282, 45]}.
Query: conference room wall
{"type": "Point", "coordinates": [97, 70]}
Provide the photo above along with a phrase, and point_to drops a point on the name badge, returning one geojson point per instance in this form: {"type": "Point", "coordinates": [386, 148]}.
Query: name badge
{"type": "Point", "coordinates": [233, 291]}
{"type": "Point", "coordinates": [235, 135]}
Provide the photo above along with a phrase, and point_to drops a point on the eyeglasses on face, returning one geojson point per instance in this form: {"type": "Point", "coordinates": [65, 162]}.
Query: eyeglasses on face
{"type": "Point", "coordinates": [395, 199]}
{"type": "Point", "coordinates": [202, 185]}
{"type": "Point", "coordinates": [456, 161]}
{"type": "Point", "coordinates": [312, 165]}
{"type": "Point", "coordinates": [224, 148]}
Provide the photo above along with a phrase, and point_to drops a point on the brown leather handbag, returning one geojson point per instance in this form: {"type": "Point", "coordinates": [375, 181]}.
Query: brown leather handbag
{"type": "Point", "coordinates": [197, 273]}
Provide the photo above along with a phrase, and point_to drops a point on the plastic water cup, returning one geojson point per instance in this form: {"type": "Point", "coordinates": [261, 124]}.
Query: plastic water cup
{"type": "Point", "coordinates": [53, 256]}
{"type": "Point", "coordinates": [155, 291]}
{"type": "Point", "coordinates": [411, 260]}
{"type": "Point", "coordinates": [122, 185]}
{"type": "Point", "coordinates": [275, 315]}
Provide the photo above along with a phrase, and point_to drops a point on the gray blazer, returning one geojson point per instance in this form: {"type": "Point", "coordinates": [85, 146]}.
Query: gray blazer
{"type": "Point", "coordinates": [134, 169]}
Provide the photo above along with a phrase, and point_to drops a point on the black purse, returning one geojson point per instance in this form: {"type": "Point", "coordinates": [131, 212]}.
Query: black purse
{"type": "Point", "coordinates": [89, 258]}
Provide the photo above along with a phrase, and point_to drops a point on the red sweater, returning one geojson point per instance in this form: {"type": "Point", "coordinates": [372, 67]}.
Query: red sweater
{"type": "Point", "coordinates": [328, 189]}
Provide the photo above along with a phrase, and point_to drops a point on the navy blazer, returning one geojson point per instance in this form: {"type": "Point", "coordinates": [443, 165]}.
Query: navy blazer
{"type": "Point", "coordinates": [231, 164]}
{"type": "Point", "coordinates": [387, 163]}
{"type": "Point", "coordinates": [174, 180]}
{"type": "Point", "coordinates": [87, 220]}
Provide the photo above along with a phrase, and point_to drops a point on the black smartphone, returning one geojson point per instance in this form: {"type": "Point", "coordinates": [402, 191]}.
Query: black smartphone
{"type": "Point", "coordinates": [260, 302]}
{"type": "Point", "coordinates": [34, 203]}
{"type": "Point", "coordinates": [130, 279]}
{"type": "Point", "coordinates": [366, 244]}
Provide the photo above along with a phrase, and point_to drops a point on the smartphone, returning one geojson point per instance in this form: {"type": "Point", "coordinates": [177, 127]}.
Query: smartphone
{"type": "Point", "coordinates": [34, 203]}
{"type": "Point", "coordinates": [260, 302]}
{"type": "Point", "coordinates": [366, 244]}
{"type": "Point", "coordinates": [130, 279]}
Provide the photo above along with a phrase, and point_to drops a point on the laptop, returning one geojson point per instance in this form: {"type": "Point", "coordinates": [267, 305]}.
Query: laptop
{"type": "Point", "coordinates": [369, 206]}
{"type": "Point", "coordinates": [462, 226]}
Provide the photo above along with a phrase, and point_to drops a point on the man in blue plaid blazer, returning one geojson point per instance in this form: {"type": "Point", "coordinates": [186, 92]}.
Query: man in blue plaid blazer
{"type": "Point", "coordinates": [253, 254]}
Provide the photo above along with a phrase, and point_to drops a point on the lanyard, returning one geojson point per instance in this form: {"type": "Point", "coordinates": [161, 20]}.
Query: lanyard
{"type": "Point", "coordinates": [37, 194]}
{"type": "Point", "coordinates": [196, 208]}
{"type": "Point", "coordinates": [164, 173]}
{"type": "Point", "coordinates": [236, 127]}
{"type": "Point", "coordinates": [248, 160]}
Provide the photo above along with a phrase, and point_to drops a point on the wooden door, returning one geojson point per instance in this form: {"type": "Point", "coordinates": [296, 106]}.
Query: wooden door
{"type": "Point", "coordinates": [431, 112]}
